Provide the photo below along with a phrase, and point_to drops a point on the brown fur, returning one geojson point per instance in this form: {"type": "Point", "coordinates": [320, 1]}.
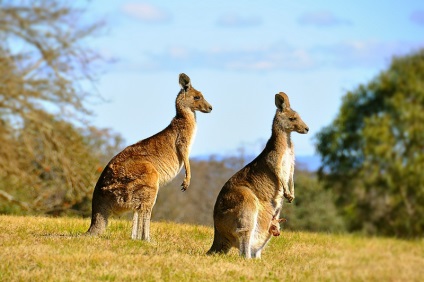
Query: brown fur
{"type": "Point", "coordinates": [251, 198]}
{"type": "Point", "coordinates": [131, 180]}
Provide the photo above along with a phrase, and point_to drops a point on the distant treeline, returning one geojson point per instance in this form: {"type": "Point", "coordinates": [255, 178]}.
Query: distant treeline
{"type": "Point", "coordinates": [312, 210]}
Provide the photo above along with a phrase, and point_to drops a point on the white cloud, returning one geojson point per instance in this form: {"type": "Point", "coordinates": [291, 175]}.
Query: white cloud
{"type": "Point", "coordinates": [366, 53]}
{"type": "Point", "coordinates": [146, 12]}
{"type": "Point", "coordinates": [275, 57]}
{"type": "Point", "coordinates": [233, 20]}
{"type": "Point", "coordinates": [322, 18]}
{"type": "Point", "coordinates": [278, 56]}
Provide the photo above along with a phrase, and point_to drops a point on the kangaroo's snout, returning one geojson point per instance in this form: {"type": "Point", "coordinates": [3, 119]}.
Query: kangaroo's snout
{"type": "Point", "coordinates": [207, 108]}
{"type": "Point", "coordinates": [302, 130]}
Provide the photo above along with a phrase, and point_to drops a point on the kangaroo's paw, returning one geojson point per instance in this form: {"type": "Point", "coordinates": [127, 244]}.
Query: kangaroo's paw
{"type": "Point", "coordinates": [185, 185]}
{"type": "Point", "coordinates": [289, 197]}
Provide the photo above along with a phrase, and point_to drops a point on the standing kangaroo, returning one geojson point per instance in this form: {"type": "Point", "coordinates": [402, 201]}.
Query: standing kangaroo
{"type": "Point", "coordinates": [131, 180]}
{"type": "Point", "coordinates": [250, 201]}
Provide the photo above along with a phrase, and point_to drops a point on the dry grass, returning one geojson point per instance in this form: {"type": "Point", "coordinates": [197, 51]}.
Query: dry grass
{"type": "Point", "coordinates": [53, 249]}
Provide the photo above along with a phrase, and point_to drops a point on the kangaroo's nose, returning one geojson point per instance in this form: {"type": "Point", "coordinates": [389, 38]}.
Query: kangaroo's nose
{"type": "Point", "coordinates": [210, 108]}
{"type": "Point", "coordinates": [307, 129]}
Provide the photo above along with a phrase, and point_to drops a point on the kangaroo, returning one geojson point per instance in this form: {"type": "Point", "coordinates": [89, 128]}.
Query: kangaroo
{"type": "Point", "coordinates": [274, 228]}
{"type": "Point", "coordinates": [250, 200]}
{"type": "Point", "coordinates": [131, 180]}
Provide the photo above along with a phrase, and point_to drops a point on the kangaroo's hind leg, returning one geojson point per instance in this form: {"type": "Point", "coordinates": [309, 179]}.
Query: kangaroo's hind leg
{"type": "Point", "coordinates": [247, 221]}
{"type": "Point", "coordinates": [246, 230]}
{"type": "Point", "coordinates": [141, 224]}
{"type": "Point", "coordinates": [144, 196]}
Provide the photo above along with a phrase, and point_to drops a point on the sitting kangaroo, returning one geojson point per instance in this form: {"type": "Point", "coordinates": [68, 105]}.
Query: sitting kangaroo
{"type": "Point", "coordinates": [252, 198]}
{"type": "Point", "coordinates": [131, 180]}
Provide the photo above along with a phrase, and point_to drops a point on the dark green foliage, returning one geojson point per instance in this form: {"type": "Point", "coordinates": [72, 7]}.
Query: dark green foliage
{"type": "Point", "coordinates": [313, 209]}
{"type": "Point", "coordinates": [373, 152]}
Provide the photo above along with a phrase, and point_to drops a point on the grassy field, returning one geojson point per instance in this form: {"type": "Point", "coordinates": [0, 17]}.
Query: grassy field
{"type": "Point", "coordinates": [54, 249]}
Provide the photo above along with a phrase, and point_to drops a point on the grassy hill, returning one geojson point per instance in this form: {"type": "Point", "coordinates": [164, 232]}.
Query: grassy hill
{"type": "Point", "coordinates": [54, 249]}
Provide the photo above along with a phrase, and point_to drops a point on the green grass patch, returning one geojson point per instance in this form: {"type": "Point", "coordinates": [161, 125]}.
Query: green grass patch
{"type": "Point", "coordinates": [55, 249]}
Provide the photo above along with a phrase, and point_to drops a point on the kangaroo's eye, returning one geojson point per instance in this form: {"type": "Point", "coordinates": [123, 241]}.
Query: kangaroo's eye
{"type": "Point", "coordinates": [196, 98]}
{"type": "Point", "coordinates": [292, 119]}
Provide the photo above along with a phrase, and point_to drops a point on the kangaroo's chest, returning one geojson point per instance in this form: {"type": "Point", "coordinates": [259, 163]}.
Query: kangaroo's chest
{"type": "Point", "coordinates": [184, 143]}
{"type": "Point", "coordinates": [170, 160]}
{"type": "Point", "coordinates": [190, 139]}
{"type": "Point", "coordinates": [286, 166]}
{"type": "Point", "coordinates": [285, 174]}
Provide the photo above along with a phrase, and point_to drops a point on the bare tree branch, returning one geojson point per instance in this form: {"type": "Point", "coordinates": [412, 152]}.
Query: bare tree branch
{"type": "Point", "coordinates": [11, 199]}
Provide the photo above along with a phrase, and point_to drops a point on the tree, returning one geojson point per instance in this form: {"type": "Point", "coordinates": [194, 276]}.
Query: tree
{"type": "Point", "coordinates": [373, 152]}
{"type": "Point", "coordinates": [313, 209]}
{"type": "Point", "coordinates": [49, 157]}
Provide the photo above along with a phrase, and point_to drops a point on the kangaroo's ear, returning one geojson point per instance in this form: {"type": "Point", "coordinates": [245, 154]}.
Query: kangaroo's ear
{"type": "Point", "coordinates": [185, 82]}
{"type": "Point", "coordinates": [282, 101]}
{"type": "Point", "coordinates": [279, 102]}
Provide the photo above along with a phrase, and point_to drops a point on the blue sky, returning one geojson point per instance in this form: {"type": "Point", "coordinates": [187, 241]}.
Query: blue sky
{"type": "Point", "coordinates": [240, 54]}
